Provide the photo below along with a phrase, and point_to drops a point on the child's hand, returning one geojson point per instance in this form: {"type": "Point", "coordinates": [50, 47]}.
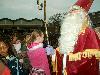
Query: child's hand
{"type": "Point", "coordinates": [21, 60]}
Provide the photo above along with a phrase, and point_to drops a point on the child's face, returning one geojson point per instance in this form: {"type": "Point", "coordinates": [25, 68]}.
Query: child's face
{"type": "Point", "coordinates": [3, 49]}
{"type": "Point", "coordinates": [40, 38]}
{"type": "Point", "coordinates": [14, 39]}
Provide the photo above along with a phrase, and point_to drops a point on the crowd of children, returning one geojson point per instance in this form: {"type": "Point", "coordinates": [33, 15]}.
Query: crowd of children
{"type": "Point", "coordinates": [24, 55]}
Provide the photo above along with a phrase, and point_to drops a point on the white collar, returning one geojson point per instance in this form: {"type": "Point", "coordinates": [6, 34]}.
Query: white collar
{"type": "Point", "coordinates": [40, 45]}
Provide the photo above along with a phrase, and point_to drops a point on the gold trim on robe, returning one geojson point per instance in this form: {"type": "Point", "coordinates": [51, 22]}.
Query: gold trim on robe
{"type": "Point", "coordinates": [88, 53]}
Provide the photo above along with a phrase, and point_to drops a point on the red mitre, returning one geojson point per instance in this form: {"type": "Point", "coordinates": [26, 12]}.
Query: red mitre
{"type": "Point", "coordinates": [85, 4]}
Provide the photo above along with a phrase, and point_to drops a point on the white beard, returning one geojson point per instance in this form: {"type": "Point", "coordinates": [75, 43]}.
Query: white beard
{"type": "Point", "coordinates": [70, 29]}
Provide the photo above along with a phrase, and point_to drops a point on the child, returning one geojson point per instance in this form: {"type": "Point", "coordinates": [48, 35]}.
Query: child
{"type": "Point", "coordinates": [37, 54]}
{"type": "Point", "coordinates": [4, 70]}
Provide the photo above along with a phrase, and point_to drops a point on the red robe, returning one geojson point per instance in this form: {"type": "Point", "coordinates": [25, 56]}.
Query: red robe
{"type": "Point", "coordinates": [59, 63]}
{"type": "Point", "coordinates": [87, 40]}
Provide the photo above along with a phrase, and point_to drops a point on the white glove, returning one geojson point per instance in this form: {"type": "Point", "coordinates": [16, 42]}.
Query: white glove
{"type": "Point", "coordinates": [50, 50]}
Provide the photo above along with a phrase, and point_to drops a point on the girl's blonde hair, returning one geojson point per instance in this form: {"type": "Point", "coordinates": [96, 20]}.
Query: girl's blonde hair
{"type": "Point", "coordinates": [32, 37]}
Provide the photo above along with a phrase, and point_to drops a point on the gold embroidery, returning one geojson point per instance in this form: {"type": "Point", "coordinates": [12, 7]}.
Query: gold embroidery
{"type": "Point", "coordinates": [88, 53]}
{"type": "Point", "coordinates": [65, 72]}
{"type": "Point", "coordinates": [58, 49]}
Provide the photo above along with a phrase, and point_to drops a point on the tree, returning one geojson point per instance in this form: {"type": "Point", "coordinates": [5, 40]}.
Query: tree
{"type": "Point", "coordinates": [56, 19]}
{"type": "Point", "coordinates": [54, 28]}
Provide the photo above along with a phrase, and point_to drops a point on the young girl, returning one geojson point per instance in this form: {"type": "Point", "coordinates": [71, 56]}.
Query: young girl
{"type": "Point", "coordinates": [37, 54]}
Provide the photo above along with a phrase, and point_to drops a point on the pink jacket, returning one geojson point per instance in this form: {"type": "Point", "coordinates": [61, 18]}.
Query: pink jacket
{"type": "Point", "coordinates": [37, 56]}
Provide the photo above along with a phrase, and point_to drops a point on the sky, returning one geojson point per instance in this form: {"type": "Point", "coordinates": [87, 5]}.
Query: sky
{"type": "Point", "coordinates": [28, 9]}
